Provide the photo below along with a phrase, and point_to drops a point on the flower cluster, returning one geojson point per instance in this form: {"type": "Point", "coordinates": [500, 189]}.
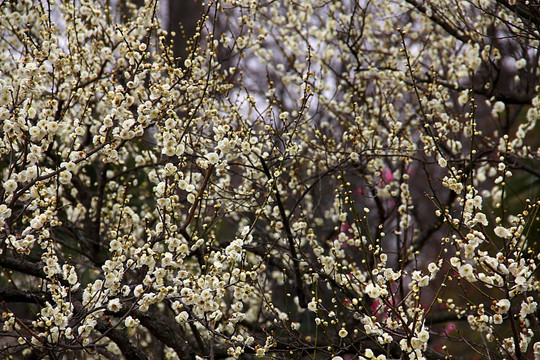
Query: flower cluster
{"type": "Point", "coordinates": [338, 180]}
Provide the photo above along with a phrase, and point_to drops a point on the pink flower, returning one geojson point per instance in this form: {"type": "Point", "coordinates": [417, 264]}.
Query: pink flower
{"type": "Point", "coordinates": [387, 175]}
{"type": "Point", "coordinates": [345, 227]}
{"type": "Point", "coordinates": [449, 328]}
{"type": "Point", "coordinates": [442, 305]}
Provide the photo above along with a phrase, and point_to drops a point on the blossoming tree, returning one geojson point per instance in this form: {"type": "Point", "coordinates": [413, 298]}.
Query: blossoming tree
{"type": "Point", "coordinates": [351, 179]}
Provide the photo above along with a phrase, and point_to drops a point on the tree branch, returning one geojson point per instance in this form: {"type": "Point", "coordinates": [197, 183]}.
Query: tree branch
{"type": "Point", "coordinates": [299, 288]}
{"type": "Point", "coordinates": [23, 296]}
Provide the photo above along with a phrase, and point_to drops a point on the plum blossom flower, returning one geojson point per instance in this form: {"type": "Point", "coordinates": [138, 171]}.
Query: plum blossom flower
{"type": "Point", "coordinates": [114, 305]}
{"type": "Point", "coordinates": [498, 108]}
{"type": "Point", "coordinates": [502, 232]}
{"type": "Point", "coordinates": [502, 306]}
{"type": "Point", "coordinates": [373, 291]}
{"type": "Point", "coordinates": [5, 212]}
{"type": "Point", "coordinates": [131, 322]}
{"type": "Point", "coordinates": [466, 271]}
{"type": "Point", "coordinates": [213, 157]}
{"type": "Point", "coordinates": [182, 317]}
{"type": "Point", "coordinates": [65, 177]}
{"type": "Point", "coordinates": [10, 186]}
{"type": "Point", "coordinates": [521, 63]}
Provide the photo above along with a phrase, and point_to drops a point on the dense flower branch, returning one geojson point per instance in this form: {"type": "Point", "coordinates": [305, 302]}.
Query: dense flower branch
{"type": "Point", "coordinates": [336, 180]}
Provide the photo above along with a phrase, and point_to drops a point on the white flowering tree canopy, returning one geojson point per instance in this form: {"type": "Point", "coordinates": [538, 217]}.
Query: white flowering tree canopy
{"type": "Point", "coordinates": [346, 179]}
